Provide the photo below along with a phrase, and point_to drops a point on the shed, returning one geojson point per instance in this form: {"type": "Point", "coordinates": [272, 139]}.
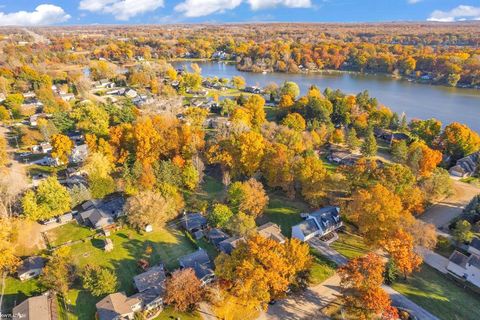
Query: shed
{"type": "Point", "coordinates": [31, 267]}
{"type": "Point", "coordinates": [108, 245]}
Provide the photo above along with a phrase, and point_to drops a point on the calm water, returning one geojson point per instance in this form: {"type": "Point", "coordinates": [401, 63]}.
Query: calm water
{"type": "Point", "coordinates": [416, 100]}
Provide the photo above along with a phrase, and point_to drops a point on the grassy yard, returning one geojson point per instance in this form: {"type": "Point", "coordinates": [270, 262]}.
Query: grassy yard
{"type": "Point", "coordinates": [129, 246]}
{"type": "Point", "coordinates": [16, 291]}
{"type": "Point", "coordinates": [444, 247]}
{"type": "Point", "coordinates": [350, 245]}
{"type": "Point", "coordinates": [440, 295]}
{"type": "Point", "coordinates": [284, 212]}
{"type": "Point", "coordinates": [68, 232]}
{"type": "Point", "coordinates": [169, 314]}
{"type": "Point", "coordinates": [322, 269]}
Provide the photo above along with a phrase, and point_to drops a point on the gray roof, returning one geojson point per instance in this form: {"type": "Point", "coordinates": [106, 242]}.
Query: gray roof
{"type": "Point", "coordinates": [327, 217]}
{"type": "Point", "coordinates": [272, 231]}
{"type": "Point", "coordinates": [308, 226]}
{"type": "Point", "coordinates": [37, 308]}
{"type": "Point", "coordinates": [31, 263]}
{"type": "Point", "coordinates": [216, 236]}
{"type": "Point", "coordinates": [474, 261]}
{"type": "Point", "coordinates": [153, 277]}
{"type": "Point", "coordinates": [229, 244]}
{"type": "Point", "coordinates": [114, 305]}
{"type": "Point", "coordinates": [475, 243]}
{"type": "Point", "coordinates": [459, 259]}
{"type": "Point", "coordinates": [199, 261]}
{"type": "Point", "coordinates": [192, 221]}
{"type": "Point", "coordinates": [97, 218]}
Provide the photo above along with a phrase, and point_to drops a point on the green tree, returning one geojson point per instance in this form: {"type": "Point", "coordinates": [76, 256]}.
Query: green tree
{"type": "Point", "coordinates": [91, 118]}
{"type": "Point", "coordinates": [241, 224]}
{"type": "Point", "coordinates": [51, 199]}
{"type": "Point", "coordinates": [399, 151]}
{"type": "Point", "coordinates": [13, 101]}
{"type": "Point", "coordinates": [462, 231]}
{"type": "Point", "coordinates": [290, 88]}
{"type": "Point", "coordinates": [369, 146]}
{"type": "Point", "coordinates": [220, 215]}
{"type": "Point", "coordinates": [190, 177]}
{"type": "Point", "coordinates": [99, 281]}
{"type": "Point", "coordinates": [352, 140]}
{"type": "Point", "coordinates": [294, 121]}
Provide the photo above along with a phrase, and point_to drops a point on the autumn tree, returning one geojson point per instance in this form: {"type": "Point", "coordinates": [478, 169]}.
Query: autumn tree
{"type": "Point", "coordinates": [291, 89]}
{"type": "Point", "coordinates": [427, 130]}
{"type": "Point", "coordinates": [51, 199]}
{"type": "Point", "coordinates": [99, 281]}
{"type": "Point", "coordinates": [220, 215]}
{"type": "Point", "coordinates": [312, 176]}
{"type": "Point", "coordinates": [400, 247]}
{"type": "Point", "coordinates": [58, 272]}
{"type": "Point", "coordinates": [183, 290]}
{"type": "Point", "coordinates": [255, 107]}
{"type": "Point", "coordinates": [377, 212]}
{"type": "Point", "coordinates": [238, 82]}
{"type": "Point", "coordinates": [149, 207]}
{"type": "Point", "coordinates": [362, 278]}
{"type": "Point", "coordinates": [9, 261]}
{"type": "Point", "coordinates": [91, 118]}
{"type": "Point", "coordinates": [98, 168]}
{"type": "Point", "coordinates": [248, 152]}
{"type": "Point", "coordinates": [196, 116]}
{"type": "Point", "coordinates": [352, 140]}
{"type": "Point", "coordinates": [462, 232]}
{"type": "Point", "coordinates": [278, 167]}
{"type": "Point", "coordinates": [249, 197]}
{"type": "Point", "coordinates": [421, 159]}
{"type": "Point", "coordinates": [458, 140]}
{"type": "Point", "coordinates": [437, 186]}
{"type": "Point", "coordinates": [3, 152]}
{"type": "Point", "coordinates": [294, 121]}
{"type": "Point", "coordinates": [261, 269]}
{"type": "Point", "coordinates": [62, 147]}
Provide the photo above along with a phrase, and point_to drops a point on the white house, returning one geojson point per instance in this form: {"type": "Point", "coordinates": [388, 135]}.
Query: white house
{"type": "Point", "coordinates": [466, 267]}
{"type": "Point", "coordinates": [318, 223]}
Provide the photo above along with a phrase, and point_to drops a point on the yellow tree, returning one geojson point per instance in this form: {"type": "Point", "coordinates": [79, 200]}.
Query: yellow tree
{"type": "Point", "coordinates": [278, 167]}
{"type": "Point", "coordinates": [196, 116]}
{"type": "Point", "coordinates": [312, 176]}
{"type": "Point", "coordinates": [400, 247]}
{"type": "Point", "coordinates": [62, 147]}
{"type": "Point", "coordinates": [250, 148]}
{"type": "Point", "coordinates": [255, 106]}
{"type": "Point", "coordinates": [147, 141]}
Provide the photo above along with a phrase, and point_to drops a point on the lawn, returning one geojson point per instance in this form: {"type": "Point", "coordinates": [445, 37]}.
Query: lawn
{"type": "Point", "coordinates": [322, 268]}
{"type": "Point", "coordinates": [169, 314]}
{"type": "Point", "coordinates": [129, 246]}
{"type": "Point", "coordinates": [350, 245]}
{"type": "Point", "coordinates": [444, 247]}
{"type": "Point", "coordinates": [68, 232]}
{"type": "Point", "coordinates": [16, 291]}
{"type": "Point", "coordinates": [284, 212]}
{"type": "Point", "coordinates": [440, 295]}
{"type": "Point", "coordinates": [212, 188]}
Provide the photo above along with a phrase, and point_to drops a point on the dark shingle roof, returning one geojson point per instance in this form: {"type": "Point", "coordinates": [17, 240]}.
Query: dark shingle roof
{"type": "Point", "coordinates": [193, 221]}
{"type": "Point", "coordinates": [475, 243]}
{"type": "Point", "coordinates": [308, 227]}
{"type": "Point", "coordinates": [459, 259]}
{"type": "Point", "coordinates": [474, 260]}
{"type": "Point", "coordinates": [153, 277]}
{"type": "Point", "coordinates": [216, 236]}
{"type": "Point", "coordinates": [199, 262]}
{"type": "Point", "coordinates": [31, 263]}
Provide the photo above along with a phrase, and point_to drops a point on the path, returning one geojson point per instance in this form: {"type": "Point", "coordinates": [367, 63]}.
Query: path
{"type": "Point", "coordinates": [433, 259]}
{"type": "Point", "coordinates": [443, 212]}
{"type": "Point", "coordinates": [308, 305]}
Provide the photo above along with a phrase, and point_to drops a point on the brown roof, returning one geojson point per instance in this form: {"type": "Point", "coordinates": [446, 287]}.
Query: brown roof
{"type": "Point", "coordinates": [271, 231]}
{"type": "Point", "coordinates": [36, 308]}
{"type": "Point", "coordinates": [115, 304]}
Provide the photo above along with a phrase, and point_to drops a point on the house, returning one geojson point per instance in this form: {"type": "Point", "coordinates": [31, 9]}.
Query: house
{"type": "Point", "coordinates": [117, 306]}
{"type": "Point", "coordinates": [465, 267]}
{"type": "Point", "coordinates": [65, 217]}
{"type": "Point", "coordinates": [389, 136]}
{"type": "Point", "coordinates": [130, 93]}
{"type": "Point", "coordinates": [79, 154]}
{"type": "Point", "coordinates": [45, 147]}
{"type": "Point", "coordinates": [100, 214]}
{"type": "Point", "coordinates": [31, 267]}
{"type": "Point", "coordinates": [67, 96]}
{"type": "Point", "coordinates": [151, 287]}
{"type": "Point", "coordinates": [216, 236]}
{"type": "Point", "coordinates": [269, 230]}
{"type": "Point", "coordinates": [342, 157]}
{"type": "Point", "coordinates": [104, 84]}
{"type": "Point", "coordinates": [272, 231]}
{"type": "Point", "coordinates": [474, 247]}
{"type": "Point", "coordinates": [194, 222]}
{"type": "Point", "coordinates": [200, 262]}
{"type": "Point", "coordinates": [42, 307]}
{"type": "Point", "coordinates": [108, 245]}
{"type": "Point", "coordinates": [323, 221]}
{"type": "Point", "coordinates": [466, 166]}
{"type": "Point", "coordinates": [255, 90]}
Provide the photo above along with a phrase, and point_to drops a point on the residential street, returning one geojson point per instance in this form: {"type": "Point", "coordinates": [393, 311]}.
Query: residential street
{"type": "Point", "coordinates": [443, 212]}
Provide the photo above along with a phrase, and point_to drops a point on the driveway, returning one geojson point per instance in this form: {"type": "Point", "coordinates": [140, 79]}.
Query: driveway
{"type": "Point", "coordinates": [433, 259]}
{"type": "Point", "coordinates": [328, 252]}
{"type": "Point", "coordinates": [443, 212]}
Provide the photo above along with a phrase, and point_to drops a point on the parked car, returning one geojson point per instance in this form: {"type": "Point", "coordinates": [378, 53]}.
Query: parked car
{"type": "Point", "coordinates": [49, 221]}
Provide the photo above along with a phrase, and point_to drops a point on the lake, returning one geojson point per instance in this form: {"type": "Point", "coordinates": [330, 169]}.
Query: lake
{"type": "Point", "coordinates": [416, 100]}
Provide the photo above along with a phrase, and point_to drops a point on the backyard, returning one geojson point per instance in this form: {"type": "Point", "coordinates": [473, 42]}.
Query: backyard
{"type": "Point", "coordinates": [440, 295]}
{"type": "Point", "coordinates": [350, 246]}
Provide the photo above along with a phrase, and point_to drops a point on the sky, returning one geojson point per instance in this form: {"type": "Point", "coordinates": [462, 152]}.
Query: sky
{"type": "Point", "coordinates": [88, 12]}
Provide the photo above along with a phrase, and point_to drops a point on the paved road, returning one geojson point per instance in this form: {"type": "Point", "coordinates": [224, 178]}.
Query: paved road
{"type": "Point", "coordinates": [443, 212]}
{"type": "Point", "coordinates": [433, 259]}
{"type": "Point", "coordinates": [399, 300]}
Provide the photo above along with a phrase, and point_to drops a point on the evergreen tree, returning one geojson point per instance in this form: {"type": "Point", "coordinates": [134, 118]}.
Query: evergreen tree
{"type": "Point", "coordinates": [352, 140]}
{"type": "Point", "coordinates": [369, 146]}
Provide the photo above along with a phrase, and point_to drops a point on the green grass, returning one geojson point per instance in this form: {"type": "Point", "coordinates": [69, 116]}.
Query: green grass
{"type": "Point", "coordinates": [350, 246]}
{"type": "Point", "coordinates": [169, 313]}
{"type": "Point", "coordinates": [35, 169]}
{"type": "Point", "coordinates": [272, 113]}
{"type": "Point", "coordinates": [284, 212]}
{"type": "Point", "coordinates": [440, 295]}
{"type": "Point", "coordinates": [68, 232]}
{"type": "Point", "coordinates": [471, 180]}
{"type": "Point", "coordinates": [16, 291]}
{"type": "Point", "coordinates": [129, 246]}
{"type": "Point", "coordinates": [332, 167]}
{"type": "Point", "coordinates": [322, 268]}
{"type": "Point", "coordinates": [212, 188]}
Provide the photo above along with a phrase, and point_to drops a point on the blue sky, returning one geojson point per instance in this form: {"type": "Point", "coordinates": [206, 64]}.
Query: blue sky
{"type": "Point", "coordinates": [55, 12]}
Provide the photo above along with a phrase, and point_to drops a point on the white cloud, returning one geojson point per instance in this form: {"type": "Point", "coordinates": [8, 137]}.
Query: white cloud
{"type": "Point", "coordinates": [414, 1]}
{"type": "Point", "coordinates": [121, 9]}
{"type": "Point", "coordinates": [460, 13]}
{"type": "Point", "coordinates": [199, 8]}
{"type": "Point", "coordinates": [262, 4]}
{"type": "Point", "coordinates": [44, 14]}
